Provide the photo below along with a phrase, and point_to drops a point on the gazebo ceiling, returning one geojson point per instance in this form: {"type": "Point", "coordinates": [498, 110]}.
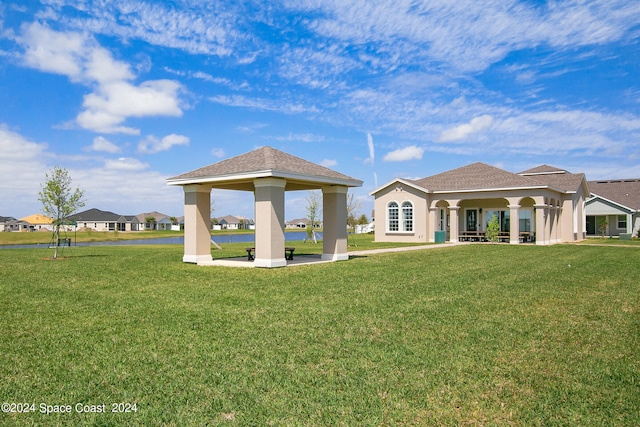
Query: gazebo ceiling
{"type": "Point", "coordinates": [239, 173]}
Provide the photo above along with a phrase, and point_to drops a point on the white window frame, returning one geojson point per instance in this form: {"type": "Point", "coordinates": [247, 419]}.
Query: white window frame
{"type": "Point", "coordinates": [406, 219]}
{"type": "Point", "coordinates": [393, 219]}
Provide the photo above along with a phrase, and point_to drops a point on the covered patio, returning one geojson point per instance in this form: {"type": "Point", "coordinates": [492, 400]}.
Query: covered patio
{"type": "Point", "coordinates": [268, 173]}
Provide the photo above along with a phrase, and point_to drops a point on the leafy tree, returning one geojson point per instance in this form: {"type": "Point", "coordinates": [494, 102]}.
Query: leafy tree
{"type": "Point", "coordinates": [493, 229]}
{"type": "Point", "coordinates": [314, 212]}
{"type": "Point", "coordinates": [363, 220]}
{"type": "Point", "coordinates": [602, 226]}
{"type": "Point", "coordinates": [59, 200]}
{"type": "Point", "coordinates": [353, 206]}
{"type": "Point", "coordinates": [149, 220]}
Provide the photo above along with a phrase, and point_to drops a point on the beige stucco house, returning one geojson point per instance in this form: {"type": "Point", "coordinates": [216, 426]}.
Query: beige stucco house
{"type": "Point", "coordinates": [267, 173]}
{"type": "Point", "coordinates": [545, 205]}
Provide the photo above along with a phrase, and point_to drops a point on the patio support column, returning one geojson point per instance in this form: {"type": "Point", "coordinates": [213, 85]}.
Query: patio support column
{"type": "Point", "coordinates": [541, 224]}
{"type": "Point", "coordinates": [453, 224]}
{"type": "Point", "coordinates": [432, 227]}
{"type": "Point", "coordinates": [269, 206]}
{"type": "Point", "coordinates": [514, 224]}
{"type": "Point", "coordinates": [197, 224]}
{"type": "Point", "coordinates": [334, 236]}
{"type": "Point", "coordinates": [553, 224]}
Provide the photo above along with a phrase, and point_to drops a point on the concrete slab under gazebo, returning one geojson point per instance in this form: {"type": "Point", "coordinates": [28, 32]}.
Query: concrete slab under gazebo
{"type": "Point", "coordinates": [268, 173]}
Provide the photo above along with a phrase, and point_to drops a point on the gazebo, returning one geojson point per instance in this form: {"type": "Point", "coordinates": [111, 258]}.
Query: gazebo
{"type": "Point", "coordinates": [268, 173]}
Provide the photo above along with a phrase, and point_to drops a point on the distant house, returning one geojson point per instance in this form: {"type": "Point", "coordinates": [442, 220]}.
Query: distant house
{"type": "Point", "coordinates": [4, 220]}
{"type": "Point", "coordinates": [302, 223]}
{"type": "Point", "coordinates": [39, 222]}
{"type": "Point", "coordinates": [99, 220]}
{"type": "Point", "coordinates": [8, 223]}
{"type": "Point", "coordinates": [230, 222]}
{"type": "Point", "coordinates": [154, 221]}
{"type": "Point", "coordinates": [617, 202]}
{"type": "Point", "coordinates": [298, 223]}
{"type": "Point", "coordinates": [130, 222]}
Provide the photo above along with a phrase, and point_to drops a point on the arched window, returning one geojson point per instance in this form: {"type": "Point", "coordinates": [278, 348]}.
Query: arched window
{"type": "Point", "coordinates": [407, 216]}
{"type": "Point", "coordinates": [393, 216]}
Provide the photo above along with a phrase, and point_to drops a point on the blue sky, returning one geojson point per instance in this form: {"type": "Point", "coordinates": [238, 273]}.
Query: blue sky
{"type": "Point", "coordinates": [124, 94]}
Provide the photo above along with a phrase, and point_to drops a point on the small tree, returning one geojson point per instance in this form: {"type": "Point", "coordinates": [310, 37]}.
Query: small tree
{"type": "Point", "coordinates": [353, 206]}
{"type": "Point", "coordinates": [59, 200]}
{"type": "Point", "coordinates": [493, 229]}
{"type": "Point", "coordinates": [314, 211]}
{"type": "Point", "coordinates": [149, 221]}
{"type": "Point", "coordinates": [602, 226]}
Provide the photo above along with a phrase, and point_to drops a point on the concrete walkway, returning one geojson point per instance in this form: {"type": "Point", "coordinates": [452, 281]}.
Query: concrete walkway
{"type": "Point", "coordinates": [243, 262]}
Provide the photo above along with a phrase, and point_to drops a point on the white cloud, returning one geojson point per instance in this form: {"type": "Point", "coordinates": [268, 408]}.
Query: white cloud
{"type": "Point", "coordinates": [128, 187]}
{"type": "Point", "coordinates": [468, 35]}
{"type": "Point", "coordinates": [151, 144]}
{"type": "Point", "coordinates": [261, 104]}
{"type": "Point", "coordinates": [300, 137]}
{"type": "Point", "coordinates": [114, 102]}
{"type": "Point", "coordinates": [477, 124]}
{"type": "Point", "coordinates": [328, 163]}
{"type": "Point", "coordinates": [408, 153]}
{"type": "Point", "coordinates": [22, 169]}
{"type": "Point", "coordinates": [372, 151]}
{"type": "Point", "coordinates": [114, 98]}
{"type": "Point", "coordinates": [50, 51]}
{"type": "Point", "coordinates": [218, 152]}
{"type": "Point", "coordinates": [125, 164]}
{"type": "Point", "coordinates": [199, 29]}
{"type": "Point", "coordinates": [100, 143]}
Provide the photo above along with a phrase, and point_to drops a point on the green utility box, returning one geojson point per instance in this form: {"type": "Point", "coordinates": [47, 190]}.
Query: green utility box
{"type": "Point", "coordinates": [625, 236]}
{"type": "Point", "coordinates": [440, 237]}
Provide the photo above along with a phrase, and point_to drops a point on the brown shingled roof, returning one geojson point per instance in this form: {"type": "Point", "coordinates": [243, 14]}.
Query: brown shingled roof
{"type": "Point", "coordinates": [561, 181]}
{"type": "Point", "coordinates": [625, 192]}
{"type": "Point", "coordinates": [542, 169]}
{"type": "Point", "coordinates": [473, 177]}
{"type": "Point", "coordinates": [265, 159]}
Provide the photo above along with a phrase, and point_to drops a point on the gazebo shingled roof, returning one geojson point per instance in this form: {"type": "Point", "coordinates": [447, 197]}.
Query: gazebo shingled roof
{"type": "Point", "coordinates": [237, 173]}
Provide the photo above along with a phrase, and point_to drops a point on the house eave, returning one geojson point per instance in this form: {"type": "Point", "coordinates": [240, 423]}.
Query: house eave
{"type": "Point", "coordinates": [621, 206]}
{"type": "Point", "coordinates": [497, 189]}
{"type": "Point", "coordinates": [399, 181]}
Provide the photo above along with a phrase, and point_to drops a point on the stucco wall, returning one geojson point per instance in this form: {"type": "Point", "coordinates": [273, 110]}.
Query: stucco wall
{"type": "Point", "coordinates": [401, 193]}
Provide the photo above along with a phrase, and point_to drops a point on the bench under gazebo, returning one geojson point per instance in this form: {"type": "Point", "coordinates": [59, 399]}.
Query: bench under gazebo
{"type": "Point", "coordinates": [268, 173]}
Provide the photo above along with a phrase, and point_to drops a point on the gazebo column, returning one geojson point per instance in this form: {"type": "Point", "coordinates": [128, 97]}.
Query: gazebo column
{"type": "Point", "coordinates": [334, 236]}
{"type": "Point", "coordinates": [514, 224]}
{"type": "Point", "coordinates": [197, 224]}
{"type": "Point", "coordinates": [269, 207]}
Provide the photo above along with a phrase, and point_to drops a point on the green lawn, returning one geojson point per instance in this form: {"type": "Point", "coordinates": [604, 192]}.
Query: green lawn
{"type": "Point", "coordinates": [467, 335]}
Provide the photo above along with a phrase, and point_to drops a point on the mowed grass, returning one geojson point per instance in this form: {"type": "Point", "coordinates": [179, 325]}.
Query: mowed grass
{"type": "Point", "coordinates": [468, 335]}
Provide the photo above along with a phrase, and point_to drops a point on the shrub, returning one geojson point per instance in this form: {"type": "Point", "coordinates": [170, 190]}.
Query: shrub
{"type": "Point", "coordinates": [493, 229]}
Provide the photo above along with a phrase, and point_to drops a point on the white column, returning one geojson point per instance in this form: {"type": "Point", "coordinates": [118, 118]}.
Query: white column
{"type": "Point", "coordinates": [269, 208]}
{"type": "Point", "coordinates": [453, 224]}
{"type": "Point", "coordinates": [197, 224]}
{"type": "Point", "coordinates": [541, 224]}
{"type": "Point", "coordinates": [514, 224]}
{"type": "Point", "coordinates": [433, 224]}
{"type": "Point", "coordinates": [334, 236]}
